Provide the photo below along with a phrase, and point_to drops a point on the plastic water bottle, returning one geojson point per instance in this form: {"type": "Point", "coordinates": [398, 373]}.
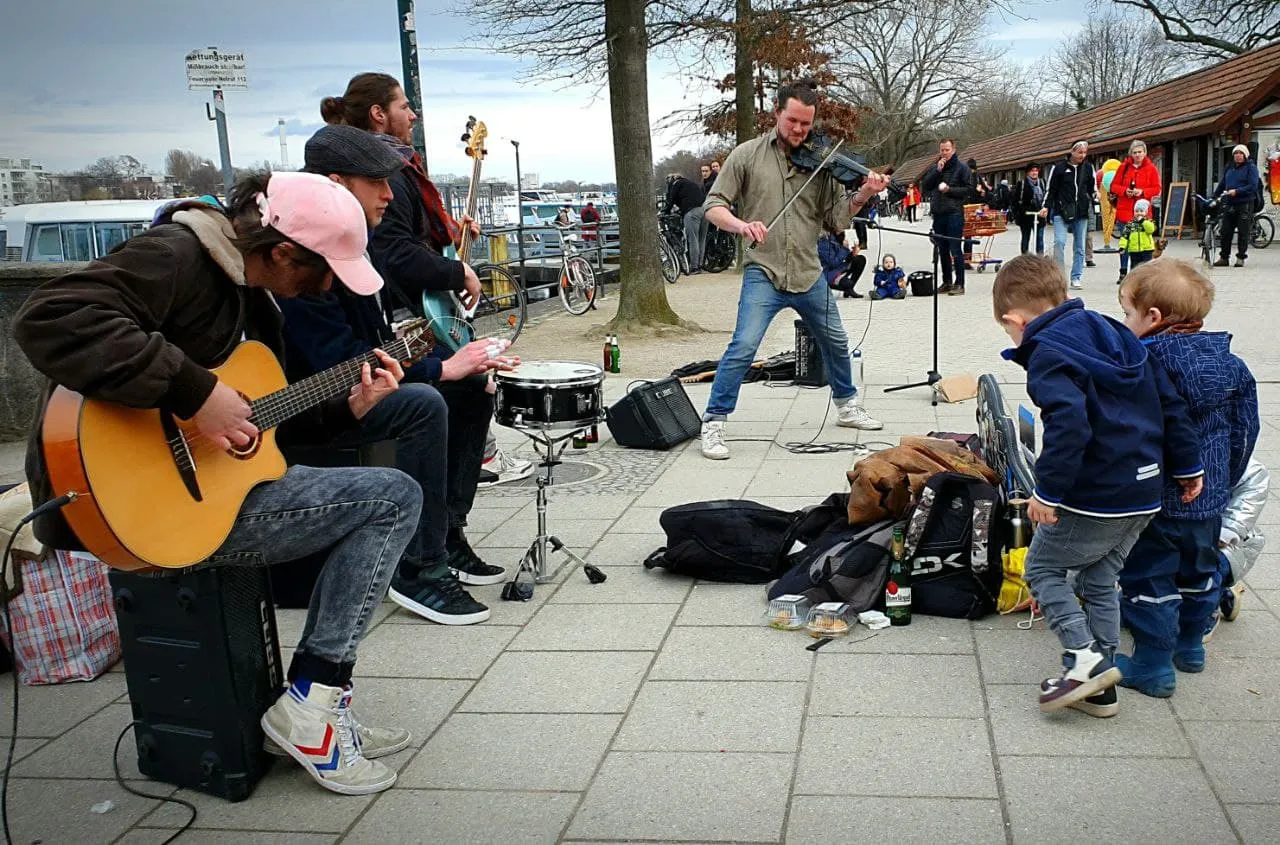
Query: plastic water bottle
{"type": "Point", "coordinates": [859, 383]}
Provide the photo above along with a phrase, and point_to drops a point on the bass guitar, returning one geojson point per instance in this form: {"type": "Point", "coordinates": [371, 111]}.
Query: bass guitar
{"type": "Point", "coordinates": [444, 311]}
{"type": "Point", "coordinates": [151, 491]}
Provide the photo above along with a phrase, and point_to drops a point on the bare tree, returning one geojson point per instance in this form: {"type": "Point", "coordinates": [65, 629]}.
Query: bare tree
{"type": "Point", "coordinates": [909, 68]}
{"type": "Point", "coordinates": [1214, 29]}
{"type": "Point", "coordinates": [571, 41]}
{"type": "Point", "coordinates": [1111, 58]}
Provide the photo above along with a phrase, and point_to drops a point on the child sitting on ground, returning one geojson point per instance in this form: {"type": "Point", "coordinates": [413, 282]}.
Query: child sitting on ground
{"type": "Point", "coordinates": [889, 280]}
{"type": "Point", "coordinates": [1138, 238]}
{"type": "Point", "coordinates": [1169, 579]}
{"type": "Point", "coordinates": [1240, 541]}
{"type": "Point", "coordinates": [1110, 416]}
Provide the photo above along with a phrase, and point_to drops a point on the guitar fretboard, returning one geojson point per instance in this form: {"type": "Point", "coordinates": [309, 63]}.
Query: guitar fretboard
{"type": "Point", "coordinates": [274, 408]}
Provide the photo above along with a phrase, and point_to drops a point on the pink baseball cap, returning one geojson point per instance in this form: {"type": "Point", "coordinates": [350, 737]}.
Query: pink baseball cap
{"type": "Point", "coordinates": [327, 219]}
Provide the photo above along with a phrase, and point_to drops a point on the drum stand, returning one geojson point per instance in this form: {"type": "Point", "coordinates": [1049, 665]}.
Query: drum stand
{"type": "Point", "coordinates": [533, 566]}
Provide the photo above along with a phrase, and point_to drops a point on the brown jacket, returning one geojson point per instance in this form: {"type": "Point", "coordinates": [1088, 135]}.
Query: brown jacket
{"type": "Point", "coordinates": [884, 485]}
{"type": "Point", "coordinates": [142, 327]}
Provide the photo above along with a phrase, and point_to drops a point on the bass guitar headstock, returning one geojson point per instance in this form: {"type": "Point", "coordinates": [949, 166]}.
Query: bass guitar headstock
{"type": "Point", "coordinates": [475, 136]}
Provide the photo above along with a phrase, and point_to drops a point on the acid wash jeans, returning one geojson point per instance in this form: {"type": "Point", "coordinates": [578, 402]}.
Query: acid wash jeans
{"type": "Point", "coordinates": [366, 514]}
{"type": "Point", "coordinates": [758, 304]}
{"type": "Point", "coordinates": [1095, 548]}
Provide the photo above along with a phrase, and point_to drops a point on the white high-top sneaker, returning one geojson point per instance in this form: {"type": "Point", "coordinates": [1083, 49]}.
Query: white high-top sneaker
{"type": "Point", "coordinates": [374, 742]}
{"type": "Point", "coordinates": [313, 724]}
{"type": "Point", "coordinates": [713, 445]}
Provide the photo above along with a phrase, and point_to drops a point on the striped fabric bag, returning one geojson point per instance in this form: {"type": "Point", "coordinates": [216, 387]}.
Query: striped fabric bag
{"type": "Point", "coordinates": [64, 622]}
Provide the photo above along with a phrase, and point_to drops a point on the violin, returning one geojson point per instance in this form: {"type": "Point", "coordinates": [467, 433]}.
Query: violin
{"type": "Point", "coordinates": [818, 151]}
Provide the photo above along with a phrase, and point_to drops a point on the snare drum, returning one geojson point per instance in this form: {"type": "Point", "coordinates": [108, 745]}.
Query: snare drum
{"type": "Point", "coordinates": [550, 394]}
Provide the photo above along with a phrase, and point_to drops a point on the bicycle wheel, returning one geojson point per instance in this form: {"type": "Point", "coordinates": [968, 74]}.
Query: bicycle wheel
{"type": "Point", "coordinates": [670, 267]}
{"type": "Point", "coordinates": [503, 304]}
{"type": "Point", "coordinates": [577, 284]}
{"type": "Point", "coordinates": [720, 252]}
{"type": "Point", "coordinates": [1264, 232]}
{"type": "Point", "coordinates": [1206, 242]}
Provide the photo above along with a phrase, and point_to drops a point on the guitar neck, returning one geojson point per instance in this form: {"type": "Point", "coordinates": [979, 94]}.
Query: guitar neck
{"type": "Point", "coordinates": [464, 251]}
{"type": "Point", "coordinates": [274, 408]}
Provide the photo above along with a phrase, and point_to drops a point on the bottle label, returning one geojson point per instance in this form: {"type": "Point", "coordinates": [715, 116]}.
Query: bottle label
{"type": "Point", "coordinates": [896, 596]}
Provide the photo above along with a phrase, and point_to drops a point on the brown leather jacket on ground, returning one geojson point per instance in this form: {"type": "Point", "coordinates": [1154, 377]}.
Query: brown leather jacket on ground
{"type": "Point", "coordinates": [884, 484]}
{"type": "Point", "coordinates": [142, 327]}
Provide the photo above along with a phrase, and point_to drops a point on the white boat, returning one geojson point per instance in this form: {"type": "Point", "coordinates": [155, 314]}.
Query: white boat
{"type": "Point", "coordinates": [74, 231]}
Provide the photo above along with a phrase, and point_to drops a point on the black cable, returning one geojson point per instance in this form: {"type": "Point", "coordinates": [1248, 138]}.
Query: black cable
{"type": "Point", "coordinates": [51, 505]}
{"type": "Point", "coordinates": [13, 730]}
{"type": "Point", "coordinates": [168, 799]}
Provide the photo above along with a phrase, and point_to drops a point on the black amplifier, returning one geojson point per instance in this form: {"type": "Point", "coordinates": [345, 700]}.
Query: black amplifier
{"type": "Point", "coordinates": [810, 371]}
{"type": "Point", "coordinates": [202, 663]}
{"type": "Point", "coordinates": [655, 415]}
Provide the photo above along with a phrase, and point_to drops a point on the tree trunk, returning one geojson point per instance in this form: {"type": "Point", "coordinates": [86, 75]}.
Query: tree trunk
{"type": "Point", "coordinates": [643, 299]}
{"type": "Point", "coordinates": [744, 73]}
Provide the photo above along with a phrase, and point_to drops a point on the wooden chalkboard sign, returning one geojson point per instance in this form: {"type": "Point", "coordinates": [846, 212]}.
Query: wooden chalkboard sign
{"type": "Point", "coordinates": [1175, 211]}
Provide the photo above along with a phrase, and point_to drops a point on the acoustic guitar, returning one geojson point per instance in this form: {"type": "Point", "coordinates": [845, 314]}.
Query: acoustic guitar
{"type": "Point", "coordinates": [445, 313]}
{"type": "Point", "coordinates": [150, 490]}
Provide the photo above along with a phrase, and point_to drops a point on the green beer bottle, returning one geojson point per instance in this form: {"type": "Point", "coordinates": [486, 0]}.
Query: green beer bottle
{"type": "Point", "coordinates": [897, 593]}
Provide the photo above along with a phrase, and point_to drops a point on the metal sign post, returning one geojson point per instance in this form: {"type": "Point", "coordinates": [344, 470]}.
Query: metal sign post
{"type": "Point", "coordinates": [411, 81]}
{"type": "Point", "coordinates": [217, 71]}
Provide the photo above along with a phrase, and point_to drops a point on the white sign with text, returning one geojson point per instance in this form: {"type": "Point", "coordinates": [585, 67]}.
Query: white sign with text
{"type": "Point", "coordinates": [210, 69]}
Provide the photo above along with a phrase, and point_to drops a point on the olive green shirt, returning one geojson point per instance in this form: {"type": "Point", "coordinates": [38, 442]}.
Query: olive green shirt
{"type": "Point", "coordinates": [758, 178]}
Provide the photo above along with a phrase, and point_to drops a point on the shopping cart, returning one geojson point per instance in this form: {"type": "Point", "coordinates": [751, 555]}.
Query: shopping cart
{"type": "Point", "coordinates": [981, 225]}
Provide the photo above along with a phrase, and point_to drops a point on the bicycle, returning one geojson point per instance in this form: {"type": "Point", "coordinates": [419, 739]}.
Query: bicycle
{"type": "Point", "coordinates": [667, 258]}
{"type": "Point", "coordinates": [719, 251]}
{"type": "Point", "coordinates": [503, 306]}
{"type": "Point", "coordinates": [577, 278]}
{"type": "Point", "coordinates": [1264, 231]}
{"type": "Point", "coordinates": [1212, 211]}
{"type": "Point", "coordinates": [672, 227]}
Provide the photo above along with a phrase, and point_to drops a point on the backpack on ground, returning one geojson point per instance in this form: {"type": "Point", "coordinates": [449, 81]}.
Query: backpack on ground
{"type": "Point", "coordinates": [921, 283]}
{"type": "Point", "coordinates": [956, 570]}
{"type": "Point", "coordinates": [844, 564]}
{"type": "Point", "coordinates": [737, 541]}
{"type": "Point", "coordinates": [729, 540]}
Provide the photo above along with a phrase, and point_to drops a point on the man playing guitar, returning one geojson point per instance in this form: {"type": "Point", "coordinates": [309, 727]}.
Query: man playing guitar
{"type": "Point", "coordinates": [783, 270]}
{"type": "Point", "coordinates": [143, 326]}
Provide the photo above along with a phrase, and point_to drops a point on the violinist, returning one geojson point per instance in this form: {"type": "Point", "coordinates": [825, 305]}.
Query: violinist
{"type": "Point", "coordinates": [949, 184]}
{"type": "Point", "coordinates": [783, 270]}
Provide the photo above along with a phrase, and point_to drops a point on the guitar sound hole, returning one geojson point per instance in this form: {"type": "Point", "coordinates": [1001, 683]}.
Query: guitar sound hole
{"type": "Point", "coordinates": [247, 451]}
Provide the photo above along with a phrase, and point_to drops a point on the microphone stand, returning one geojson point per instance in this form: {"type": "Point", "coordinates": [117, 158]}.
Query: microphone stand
{"type": "Point", "coordinates": [933, 376]}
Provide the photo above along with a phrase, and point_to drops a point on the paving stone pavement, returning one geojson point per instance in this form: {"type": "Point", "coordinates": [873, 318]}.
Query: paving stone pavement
{"type": "Point", "coordinates": [654, 709]}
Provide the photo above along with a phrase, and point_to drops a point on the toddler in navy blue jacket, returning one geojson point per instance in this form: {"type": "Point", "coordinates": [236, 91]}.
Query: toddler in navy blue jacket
{"type": "Point", "coordinates": [1113, 424]}
{"type": "Point", "coordinates": [1170, 585]}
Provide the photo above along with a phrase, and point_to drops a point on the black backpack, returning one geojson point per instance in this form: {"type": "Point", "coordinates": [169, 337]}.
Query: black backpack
{"type": "Point", "coordinates": [845, 564]}
{"type": "Point", "coordinates": [956, 569]}
{"type": "Point", "coordinates": [737, 541]}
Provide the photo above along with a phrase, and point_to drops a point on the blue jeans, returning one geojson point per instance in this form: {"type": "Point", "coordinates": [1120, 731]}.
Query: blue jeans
{"type": "Point", "coordinates": [950, 224]}
{"type": "Point", "coordinates": [1095, 548]}
{"type": "Point", "coordinates": [1026, 224]}
{"type": "Point", "coordinates": [1171, 581]}
{"type": "Point", "coordinates": [440, 433]}
{"type": "Point", "coordinates": [1079, 229]}
{"type": "Point", "coordinates": [365, 515]}
{"type": "Point", "coordinates": [758, 304]}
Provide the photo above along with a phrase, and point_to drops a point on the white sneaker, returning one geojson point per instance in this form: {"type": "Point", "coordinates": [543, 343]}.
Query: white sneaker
{"type": "Point", "coordinates": [374, 742]}
{"type": "Point", "coordinates": [506, 468]}
{"type": "Point", "coordinates": [1076, 284]}
{"type": "Point", "coordinates": [851, 415]}
{"type": "Point", "coordinates": [317, 730]}
{"type": "Point", "coordinates": [713, 441]}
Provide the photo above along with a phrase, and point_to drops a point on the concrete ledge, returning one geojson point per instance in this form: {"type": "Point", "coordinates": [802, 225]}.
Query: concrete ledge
{"type": "Point", "coordinates": [22, 384]}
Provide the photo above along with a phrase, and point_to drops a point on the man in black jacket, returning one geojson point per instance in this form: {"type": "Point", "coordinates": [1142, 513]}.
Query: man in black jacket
{"type": "Point", "coordinates": [687, 196]}
{"type": "Point", "coordinates": [328, 328]}
{"type": "Point", "coordinates": [1028, 199]}
{"type": "Point", "coordinates": [949, 185]}
{"type": "Point", "coordinates": [1068, 202]}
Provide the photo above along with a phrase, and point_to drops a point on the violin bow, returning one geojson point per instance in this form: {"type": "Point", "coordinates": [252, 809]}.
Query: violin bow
{"type": "Point", "coordinates": [797, 194]}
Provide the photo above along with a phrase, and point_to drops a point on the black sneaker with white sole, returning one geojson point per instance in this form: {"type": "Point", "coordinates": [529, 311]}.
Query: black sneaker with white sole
{"type": "Point", "coordinates": [444, 602]}
{"type": "Point", "coordinates": [467, 566]}
{"type": "Point", "coordinates": [1103, 705]}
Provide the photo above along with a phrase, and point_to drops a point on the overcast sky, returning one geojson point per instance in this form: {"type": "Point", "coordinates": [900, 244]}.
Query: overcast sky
{"type": "Point", "coordinates": [88, 79]}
